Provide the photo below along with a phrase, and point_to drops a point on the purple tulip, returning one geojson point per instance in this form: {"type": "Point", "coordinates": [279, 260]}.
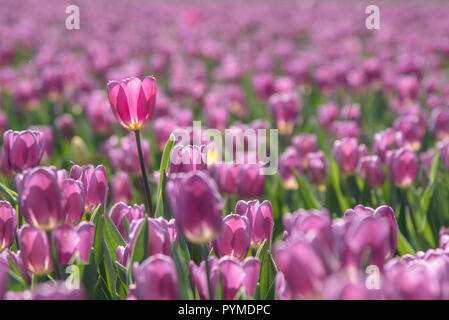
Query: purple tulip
{"type": "Point", "coordinates": [121, 187]}
{"type": "Point", "coordinates": [309, 222]}
{"type": "Point", "coordinates": [301, 266]}
{"type": "Point", "coordinates": [250, 182]}
{"type": "Point", "coordinates": [35, 250]}
{"type": "Point", "coordinates": [225, 175]}
{"type": "Point", "coordinates": [263, 85]}
{"type": "Point", "coordinates": [199, 276]}
{"type": "Point", "coordinates": [289, 162]}
{"type": "Point", "coordinates": [95, 183]}
{"type": "Point", "coordinates": [120, 211]}
{"type": "Point", "coordinates": [234, 275]}
{"type": "Point", "coordinates": [86, 233]}
{"type": "Point", "coordinates": [260, 217]}
{"type": "Point", "coordinates": [385, 141]}
{"type": "Point", "coordinates": [66, 126]}
{"type": "Point", "coordinates": [163, 127]}
{"type": "Point", "coordinates": [187, 159]}
{"type": "Point", "coordinates": [23, 149]}
{"type": "Point", "coordinates": [327, 114]}
{"type": "Point", "coordinates": [73, 202]}
{"type": "Point", "coordinates": [156, 279]}
{"type": "Point", "coordinates": [351, 112]}
{"type": "Point", "coordinates": [412, 131]}
{"type": "Point", "coordinates": [347, 154]}
{"type": "Point", "coordinates": [285, 108]}
{"type": "Point", "coordinates": [304, 144]}
{"type": "Point", "coordinates": [48, 137]}
{"type": "Point", "coordinates": [66, 240]}
{"type": "Point", "coordinates": [443, 148]}
{"type": "Point", "coordinates": [132, 101]}
{"type": "Point", "coordinates": [8, 225]}
{"type": "Point", "coordinates": [41, 198]}
{"type": "Point", "coordinates": [316, 168]}
{"type": "Point", "coordinates": [370, 169]}
{"type": "Point", "coordinates": [235, 237]}
{"type": "Point", "coordinates": [402, 167]}
{"type": "Point", "coordinates": [346, 129]}
{"type": "Point", "coordinates": [196, 205]}
{"type": "Point", "coordinates": [48, 291]}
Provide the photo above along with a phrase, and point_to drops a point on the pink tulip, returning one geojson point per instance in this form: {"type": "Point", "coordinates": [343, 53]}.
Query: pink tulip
{"type": "Point", "coordinates": [235, 237]}
{"type": "Point", "coordinates": [23, 149]}
{"type": "Point", "coordinates": [95, 181]}
{"type": "Point", "coordinates": [35, 250]}
{"type": "Point", "coordinates": [8, 225]}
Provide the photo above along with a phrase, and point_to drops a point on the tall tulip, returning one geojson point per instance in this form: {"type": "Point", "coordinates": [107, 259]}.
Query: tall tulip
{"type": "Point", "coordinates": [35, 250]}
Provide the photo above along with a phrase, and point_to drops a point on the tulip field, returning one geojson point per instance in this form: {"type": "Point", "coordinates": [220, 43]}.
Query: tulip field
{"type": "Point", "coordinates": [224, 150]}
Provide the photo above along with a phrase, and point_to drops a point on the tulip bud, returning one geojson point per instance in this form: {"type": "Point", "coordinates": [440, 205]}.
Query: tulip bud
{"type": "Point", "coordinates": [351, 112]}
{"type": "Point", "coordinates": [66, 240]}
{"type": "Point", "coordinates": [327, 114]}
{"type": "Point", "coordinates": [73, 203]}
{"type": "Point", "coordinates": [216, 117]}
{"type": "Point", "coordinates": [41, 198]}
{"type": "Point", "coordinates": [35, 250]}
{"type": "Point", "coordinates": [439, 123]}
{"type": "Point", "coordinates": [66, 126]}
{"type": "Point", "coordinates": [289, 162]}
{"type": "Point", "coordinates": [260, 217]}
{"type": "Point", "coordinates": [47, 133]}
{"type": "Point", "coordinates": [23, 149]}
{"type": "Point", "coordinates": [385, 141]}
{"type": "Point", "coordinates": [263, 85]}
{"type": "Point", "coordinates": [132, 101]}
{"type": "Point", "coordinates": [120, 210]}
{"type": "Point", "coordinates": [285, 108]}
{"type": "Point", "coordinates": [402, 167]}
{"type": "Point", "coordinates": [225, 175]}
{"type": "Point", "coordinates": [80, 151]}
{"type": "Point", "coordinates": [347, 154]}
{"type": "Point", "coordinates": [8, 225]}
{"type": "Point", "coordinates": [411, 129]}
{"type": "Point", "coordinates": [156, 279]}
{"type": "Point", "coordinates": [235, 275]}
{"type": "Point", "coordinates": [196, 205]}
{"type": "Point", "coordinates": [121, 187]}
{"type": "Point", "coordinates": [250, 182]}
{"type": "Point", "coordinates": [158, 236]}
{"type": "Point", "coordinates": [316, 168]}
{"type": "Point", "coordinates": [86, 233]}
{"type": "Point", "coordinates": [95, 183]}
{"type": "Point", "coordinates": [370, 169]}
{"type": "Point", "coordinates": [346, 129]}
{"type": "Point", "coordinates": [304, 144]}
{"type": "Point", "coordinates": [199, 276]}
{"type": "Point", "coordinates": [235, 237]}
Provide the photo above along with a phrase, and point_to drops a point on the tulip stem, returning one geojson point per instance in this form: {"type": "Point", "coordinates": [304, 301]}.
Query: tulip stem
{"type": "Point", "coordinates": [53, 256]}
{"type": "Point", "coordinates": [149, 202]}
{"type": "Point", "coordinates": [209, 284]}
{"type": "Point", "coordinates": [412, 217]}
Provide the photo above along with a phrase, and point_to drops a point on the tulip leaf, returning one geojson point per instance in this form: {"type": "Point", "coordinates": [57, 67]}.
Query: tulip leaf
{"type": "Point", "coordinates": [140, 247]}
{"type": "Point", "coordinates": [182, 272]}
{"type": "Point", "coordinates": [165, 163]}
{"type": "Point", "coordinates": [112, 237]}
{"type": "Point", "coordinates": [404, 247]}
{"type": "Point", "coordinates": [334, 181]}
{"type": "Point", "coordinates": [267, 271]}
{"type": "Point", "coordinates": [11, 194]}
{"type": "Point", "coordinates": [310, 201]}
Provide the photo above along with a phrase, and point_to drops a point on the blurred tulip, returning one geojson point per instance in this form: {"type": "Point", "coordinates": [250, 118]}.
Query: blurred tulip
{"type": "Point", "coordinates": [235, 237]}
{"type": "Point", "coordinates": [225, 175]}
{"type": "Point", "coordinates": [304, 144]}
{"type": "Point", "coordinates": [370, 169]}
{"type": "Point", "coordinates": [73, 202]}
{"type": "Point", "coordinates": [196, 205]}
{"type": "Point", "coordinates": [289, 162]}
{"type": "Point", "coordinates": [347, 154]}
{"type": "Point", "coordinates": [156, 279]}
{"type": "Point", "coordinates": [402, 167]}
{"type": "Point", "coordinates": [48, 138]}
{"type": "Point", "coordinates": [260, 217]}
{"type": "Point", "coordinates": [327, 114]}
{"type": "Point", "coordinates": [23, 149]}
{"type": "Point", "coordinates": [250, 182]}
{"type": "Point", "coordinates": [285, 109]}
{"type": "Point", "coordinates": [121, 187]}
{"type": "Point", "coordinates": [35, 250]}
{"type": "Point", "coordinates": [66, 240]}
{"type": "Point", "coordinates": [66, 126]}
{"type": "Point", "coordinates": [187, 159]}
{"type": "Point", "coordinates": [132, 101]}
{"type": "Point", "coordinates": [80, 151]}
{"type": "Point", "coordinates": [95, 183]}
{"type": "Point", "coordinates": [8, 225]}
{"type": "Point", "coordinates": [384, 141]}
{"type": "Point", "coordinates": [316, 168]}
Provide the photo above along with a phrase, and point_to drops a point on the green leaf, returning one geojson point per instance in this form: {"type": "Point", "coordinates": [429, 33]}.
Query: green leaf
{"type": "Point", "coordinates": [11, 194]}
{"type": "Point", "coordinates": [307, 193]}
{"type": "Point", "coordinates": [334, 181]}
{"type": "Point", "coordinates": [112, 237]}
{"type": "Point", "coordinates": [404, 247]}
{"type": "Point", "coordinates": [165, 163]}
{"type": "Point", "coordinates": [267, 271]}
{"type": "Point", "coordinates": [182, 272]}
{"type": "Point", "coordinates": [140, 247]}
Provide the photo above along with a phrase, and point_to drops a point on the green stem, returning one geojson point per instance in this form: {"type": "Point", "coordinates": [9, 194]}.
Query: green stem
{"type": "Point", "coordinates": [146, 185]}
{"type": "Point", "coordinates": [209, 284]}
{"type": "Point", "coordinates": [54, 256]}
{"type": "Point", "coordinates": [412, 217]}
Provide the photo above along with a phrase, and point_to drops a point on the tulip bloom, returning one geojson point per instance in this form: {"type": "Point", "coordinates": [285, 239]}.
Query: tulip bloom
{"type": "Point", "coordinates": [73, 202]}
{"type": "Point", "coordinates": [285, 109]}
{"type": "Point", "coordinates": [120, 211]}
{"type": "Point", "coordinates": [370, 169]}
{"type": "Point", "coordinates": [35, 250]}
{"type": "Point", "coordinates": [327, 114]}
{"type": "Point", "coordinates": [196, 205]}
{"type": "Point", "coordinates": [260, 217]}
{"type": "Point", "coordinates": [385, 141]}
{"type": "Point", "coordinates": [186, 159]}
{"type": "Point", "coordinates": [250, 182]}
{"type": "Point", "coordinates": [8, 225]}
{"type": "Point", "coordinates": [41, 198]}
{"type": "Point", "coordinates": [347, 153]}
{"type": "Point", "coordinates": [66, 126]}
{"type": "Point", "coordinates": [235, 237]}
{"type": "Point", "coordinates": [132, 101]}
{"type": "Point", "coordinates": [70, 240]}
{"type": "Point", "coordinates": [289, 162]}
{"type": "Point", "coordinates": [304, 144]}
{"type": "Point", "coordinates": [156, 279]}
{"type": "Point", "coordinates": [225, 175]}
{"type": "Point", "coordinates": [316, 168]}
{"type": "Point", "coordinates": [24, 149]}
{"type": "Point", "coordinates": [121, 187]}
{"type": "Point", "coordinates": [95, 181]}
{"type": "Point", "coordinates": [402, 167]}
